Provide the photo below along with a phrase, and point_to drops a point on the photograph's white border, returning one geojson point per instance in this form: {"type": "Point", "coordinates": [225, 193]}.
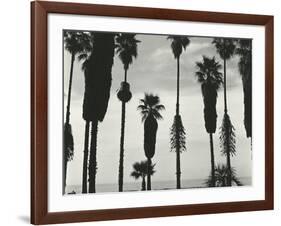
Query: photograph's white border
{"type": "Point", "coordinates": [58, 202]}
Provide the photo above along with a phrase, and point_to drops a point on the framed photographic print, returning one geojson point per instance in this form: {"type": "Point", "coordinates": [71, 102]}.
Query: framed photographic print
{"type": "Point", "coordinates": [145, 112]}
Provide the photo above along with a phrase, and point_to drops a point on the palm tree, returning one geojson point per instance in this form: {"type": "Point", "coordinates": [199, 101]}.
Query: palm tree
{"type": "Point", "coordinates": [126, 45]}
{"type": "Point", "coordinates": [178, 44]}
{"type": "Point", "coordinates": [75, 43]}
{"type": "Point", "coordinates": [85, 57]}
{"type": "Point", "coordinates": [150, 108]}
{"type": "Point", "coordinates": [97, 92]}
{"type": "Point", "coordinates": [221, 174]}
{"type": "Point", "coordinates": [226, 49]}
{"type": "Point", "coordinates": [210, 78]}
{"type": "Point", "coordinates": [140, 170]}
{"type": "Point", "coordinates": [244, 50]}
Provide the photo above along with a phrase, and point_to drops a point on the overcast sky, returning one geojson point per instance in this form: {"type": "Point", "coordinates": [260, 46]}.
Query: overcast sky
{"type": "Point", "coordinates": [154, 71]}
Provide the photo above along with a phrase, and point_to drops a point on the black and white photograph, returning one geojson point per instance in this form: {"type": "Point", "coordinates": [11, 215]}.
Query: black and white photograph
{"type": "Point", "coordinates": [146, 112]}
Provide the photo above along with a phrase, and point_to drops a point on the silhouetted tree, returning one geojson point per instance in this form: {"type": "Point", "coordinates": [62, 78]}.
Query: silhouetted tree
{"type": "Point", "coordinates": [244, 50]}
{"type": "Point", "coordinates": [150, 108]}
{"type": "Point", "coordinates": [76, 43]}
{"type": "Point", "coordinates": [126, 48]}
{"type": "Point", "coordinates": [140, 170]}
{"type": "Point", "coordinates": [178, 44]}
{"type": "Point", "coordinates": [97, 92]}
{"type": "Point", "coordinates": [85, 56]}
{"type": "Point", "coordinates": [221, 174]}
{"type": "Point", "coordinates": [226, 48]}
{"type": "Point", "coordinates": [210, 78]}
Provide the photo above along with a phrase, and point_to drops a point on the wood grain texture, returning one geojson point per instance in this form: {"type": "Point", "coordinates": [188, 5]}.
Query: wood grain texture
{"type": "Point", "coordinates": [39, 117]}
{"type": "Point", "coordinates": [39, 109]}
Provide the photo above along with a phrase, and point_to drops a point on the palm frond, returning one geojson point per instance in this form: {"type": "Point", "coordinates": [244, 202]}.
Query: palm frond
{"type": "Point", "coordinates": [150, 133]}
{"type": "Point", "coordinates": [142, 108]}
{"type": "Point", "coordinates": [82, 56]}
{"type": "Point", "coordinates": [227, 136]}
{"type": "Point", "coordinates": [68, 143]}
{"type": "Point", "coordinates": [237, 181]}
{"type": "Point", "coordinates": [136, 175]}
{"type": "Point", "coordinates": [140, 168]}
{"type": "Point", "coordinates": [159, 107]}
{"type": "Point", "coordinates": [150, 105]}
{"type": "Point", "coordinates": [221, 173]}
{"type": "Point", "coordinates": [178, 131]}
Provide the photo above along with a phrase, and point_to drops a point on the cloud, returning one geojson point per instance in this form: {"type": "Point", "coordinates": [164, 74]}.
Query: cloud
{"type": "Point", "coordinates": [154, 71]}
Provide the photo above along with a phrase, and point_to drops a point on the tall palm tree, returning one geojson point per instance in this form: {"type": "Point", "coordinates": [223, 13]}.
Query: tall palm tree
{"type": "Point", "coordinates": [97, 92]}
{"type": "Point", "coordinates": [85, 57]}
{"type": "Point", "coordinates": [210, 78]}
{"type": "Point", "coordinates": [226, 49]}
{"type": "Point", "coordinates": [76, 43]}
{"type": "Point", "coordinates": [150, 108]}
{"type": "Point", "coordinates": [126, 48]}
{"type": "Point", "coordinates": [178, 44]}
{"type": "Point", "coordinates": [140, 171]}
{"type": "Point", "coordinates": [244, 50]}
{"type": "Point", "coordinates": [221, 174]}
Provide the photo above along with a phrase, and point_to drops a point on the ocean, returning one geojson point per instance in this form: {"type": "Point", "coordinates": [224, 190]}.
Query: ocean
{"type": "Point", "coordinates": [156, 185]}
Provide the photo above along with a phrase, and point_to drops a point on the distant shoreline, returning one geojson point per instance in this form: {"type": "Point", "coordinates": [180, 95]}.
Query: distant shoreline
{"type": "Point", "coordinates": [156, 186]}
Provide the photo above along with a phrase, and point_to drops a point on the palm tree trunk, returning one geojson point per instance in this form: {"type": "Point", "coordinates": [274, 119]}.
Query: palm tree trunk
{"type": "Point", "coordinates": [125, 76]}
{"type": "Point", "coordinates": [148, 174]}
{"type": "Point", "coordinates": [229, 176]}
{"type": "Point", "coordinates": [69, 89]}
{"type": "Point", "coordinates": [143, 184]}
{"type": "Point", "coordinates": [122, 137]}
{"type": "Point", "coordinates": [64, 174]}
{"type": "Point", "coordinates": [224, 85]}
{"type": "Point", "coordinates": [178, 86]}
{"type": "Point", "coordinates": [121, 160]}
{"type": "Point", "coordinates": [227, 134]}
{"type": "Point", "coordinates": [67, 116]}
{"type": "Point", "coordinates": [93, 158]}
{"type": "Point", "coordinates": [212, 160]}
{"type": "Point", "coordinates": [85, 160]}
{"type": "Point", "coordinates": [178, 168]}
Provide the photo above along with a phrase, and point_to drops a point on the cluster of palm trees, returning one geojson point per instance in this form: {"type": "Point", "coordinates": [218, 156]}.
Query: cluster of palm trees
{"type": "Point", "coordinates": [142, 170]}
{"type": "Point", "coordinates": [97, 51]}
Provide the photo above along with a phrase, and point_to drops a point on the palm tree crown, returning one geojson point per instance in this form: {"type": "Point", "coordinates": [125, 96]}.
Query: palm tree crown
{"type": "Point", "coordinates": [98, 77]}
{"type": "Point", "coordinates": [244, 50]}
{"type": "Point", "coordinates": [150, 107]}
{"type": "Point", "coordinates": [225, 47]}
{"type": "Point", "coordinates": [77, 42]}
{"type": "Point", "coordinates": [143, 169]}
{"type": "Point", "coordinates": [126, 48]}
{"type": "Point", "coordinates": [178, 44]}
{"type": "Point", "coordinates": [208, 72]}
{"type": "Point", "coordinates": [140, 169]}
{"type": "Point", "coordinates": [221, 174]}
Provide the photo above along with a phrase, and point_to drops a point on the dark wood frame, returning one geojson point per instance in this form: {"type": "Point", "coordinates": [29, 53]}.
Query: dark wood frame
{"type": "Point", "coordinates": [39, 107]}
